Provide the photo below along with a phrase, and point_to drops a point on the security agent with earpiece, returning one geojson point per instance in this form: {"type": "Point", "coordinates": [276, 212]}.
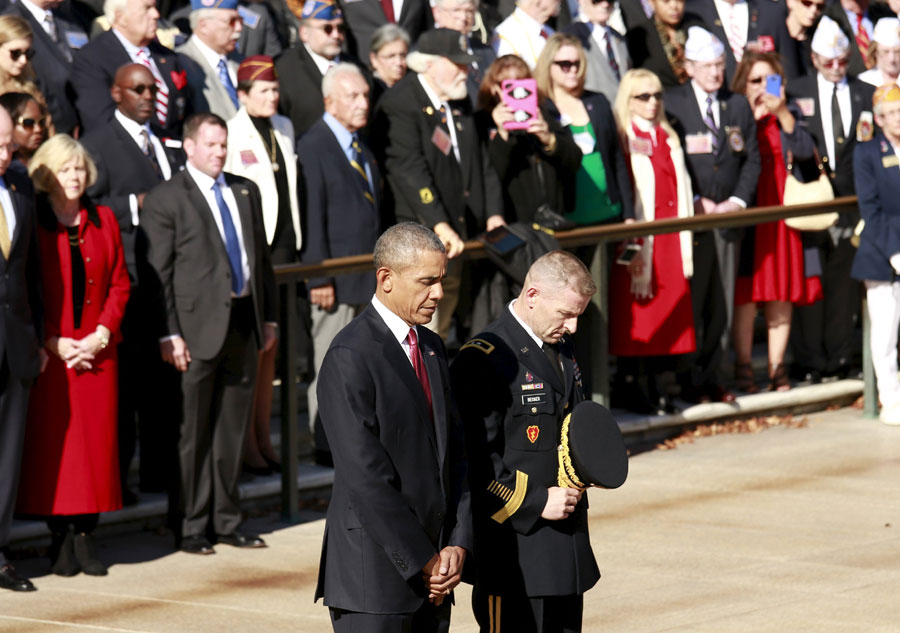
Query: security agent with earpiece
{"type": "Point", "coordinates": [516, 385]}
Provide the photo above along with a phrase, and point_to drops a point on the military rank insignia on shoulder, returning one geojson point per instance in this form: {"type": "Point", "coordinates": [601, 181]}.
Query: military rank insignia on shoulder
{"type": "Point", "coordinates": [479, 344]}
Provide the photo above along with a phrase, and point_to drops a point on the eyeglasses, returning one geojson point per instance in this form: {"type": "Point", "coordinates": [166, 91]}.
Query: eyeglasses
{"type": "Point", "coordinates": [646, 96]}
{"type": "Point", "coordinates": [328, 29]}
{"type": "Point", "coordinates": [16, 53]}
{"type": "Point", "coordinates": [756, 80]}
{"type": "Point", "coordinates": [29, 123]}
{"type": "Point", "coordinates": [141, 88]}
{"type": "Point", "coordinates": [820, 6]}
{"type": "Point", "coordinates": [839, 62]}
{"type": "Point", "coordinates": [567, 65]}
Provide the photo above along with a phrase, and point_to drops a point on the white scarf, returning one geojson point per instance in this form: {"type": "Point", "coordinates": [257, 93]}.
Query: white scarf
{"type": "Point", "coordinates": [645, 203]}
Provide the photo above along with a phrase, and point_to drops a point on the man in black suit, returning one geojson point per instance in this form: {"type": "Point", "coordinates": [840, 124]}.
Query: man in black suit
{"type": "Point", "coordinates": [131, 38]}
{"type": "Point", "coordinates": [208, 248]}
{"type": "Point", "coordinates": [515, 383]}
{"type": "Point", "coordinates": [363, 18]}
{"type": "Point", "coordinates": [399, 523]}
{"type": "Point", "coordinates": [837, 111]}
{"type": "Point", "coordinates": [459, 15]}
{"type": "Point", "coordinates": [56, 38]}
{"type": "Point", "coordinates": [718, 134]}
{"type": "Point", "coordinates": [21, 327]}
{"type": "Point", "coordinates": [340, 221]}
{"type": "Point", "coordinates": [432, 156]}
{"type": "Point", "coordinates": [131, 161]}
{"type": "Point", "coordinates": [302, 67]}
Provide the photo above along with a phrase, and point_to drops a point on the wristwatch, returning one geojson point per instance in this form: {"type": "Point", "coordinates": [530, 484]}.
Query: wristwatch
{"type": "Point", "coordinates": [104, 341]}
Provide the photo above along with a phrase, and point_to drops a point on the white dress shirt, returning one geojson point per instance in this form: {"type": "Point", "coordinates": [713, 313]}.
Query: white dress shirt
{"type": "Point", "coordinates": [212, 59]}
{"type": "Point", "coordinates": [520, 34]}
{"type": "Point", "coordinates": [398, 327]}
{"type": "Point", "coordinates": [40, 15]}
{"type": "Point", "coordinates": [826, 89]}
{"type": "Point", "coordinates": [205, 183]}
{"type": "Point", "coordinates": [600, 35]}
{"type": "Point", "coordinates": [322, 63]}
{"type": "Point", "coordinates": [132, 51]}
{"type": "Point", "coordinates": [8, 209]}
{"type": "Point", "coordinates": [134, 130]}
{"type": "Point", "coordinates": [437, 103]}
{"type": "Point", "coordinates": [735, 19]}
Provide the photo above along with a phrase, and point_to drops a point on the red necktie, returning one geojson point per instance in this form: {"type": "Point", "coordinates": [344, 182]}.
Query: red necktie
{"type": "Point", "coordinates": [388, 7]}
{"type": "Point", "coordinates": [418, 364]}
{"type": "Point", "coordinates": [862, 40]}
{"type": "Point", "coordinates": [544, 32]}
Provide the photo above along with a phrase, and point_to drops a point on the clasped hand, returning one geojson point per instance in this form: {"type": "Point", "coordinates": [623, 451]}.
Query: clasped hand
{"type": "Point", "coordinates": [77, 353]}
{"type": "Point", "coordinates": [443, 572]}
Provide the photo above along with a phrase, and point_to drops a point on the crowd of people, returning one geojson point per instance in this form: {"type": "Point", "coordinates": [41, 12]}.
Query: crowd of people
{"type": "Point", "coordinates": [158, 160]}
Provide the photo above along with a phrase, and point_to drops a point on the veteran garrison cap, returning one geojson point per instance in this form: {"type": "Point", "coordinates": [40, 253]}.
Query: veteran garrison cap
{"type": "Point", "coordinates": [257, 68]}
{"type": "Point", "coordinates": [592, 450]}
{"type": "Point", "coordinates": [445, 43]}
{"type": "Point", "coordinates": [321, 10]}
{"type": "Point", "coordinates": [213, 4]}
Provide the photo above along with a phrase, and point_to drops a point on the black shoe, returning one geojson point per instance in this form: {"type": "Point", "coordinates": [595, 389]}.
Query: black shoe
{"type": "Point", "coordinates": [259, 471]}
{"type": "Point", "coordinates": [236, 539]}
{"type": "Point", "coordinates": [9, 579]}
{"type": "Point", "coordinates": [129, 498]}
{"type": "Point", "coordinates": [275, 466]}
{"type": "Point", "coordinates": [197, 545]}
{"type": "Point", "coordinates": [62, 555]}
{"type": "Point", "coordinates": [86, 555]}
{"type": "Point", "coordinates": [806, 375]}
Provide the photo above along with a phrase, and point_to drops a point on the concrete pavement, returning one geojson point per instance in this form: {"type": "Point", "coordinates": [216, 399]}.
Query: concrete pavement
{"type": "Point", "coordinates": [789, 529]}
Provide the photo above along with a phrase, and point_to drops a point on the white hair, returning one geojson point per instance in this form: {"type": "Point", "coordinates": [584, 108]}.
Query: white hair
{"type": "Point", "coordinates": [200, 14]}
{"type": "Point", "coordinates": [419, 62]}
{"type": "Point", "coordinates": [443, 3]}
{"type": "Point", "coordinates": [111, 7]}
{"type": "Point", "coordinates": [343, 68]}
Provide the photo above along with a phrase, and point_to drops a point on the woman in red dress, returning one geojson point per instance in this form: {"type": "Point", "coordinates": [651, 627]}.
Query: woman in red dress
{"type": "Point", "coordinates": [651, 317]}
{"type": "Point", "coordinates": [771, 271]}
{"type": "Point", "coordinates": [70, 462]}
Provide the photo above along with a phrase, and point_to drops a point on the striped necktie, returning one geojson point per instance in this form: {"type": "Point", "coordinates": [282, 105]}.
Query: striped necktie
{"type": "Point", "coordinates": [358, 162]}
{"type": "Point", "coordinates": [862, 40]}
{"type": "Point", "coordinates": [710, 120]}
{"type": "Point", "coordinates": [162, 90]}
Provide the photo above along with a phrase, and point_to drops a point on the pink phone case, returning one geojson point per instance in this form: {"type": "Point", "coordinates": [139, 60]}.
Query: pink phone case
{"type": "Point", "coordinates": [521, 97]}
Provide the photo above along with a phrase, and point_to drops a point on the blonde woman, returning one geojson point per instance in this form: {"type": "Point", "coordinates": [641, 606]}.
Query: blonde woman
{"type": "Point", "coordinates": [652, 316]}
{"type": "Point", "coordinates": [16, 73]}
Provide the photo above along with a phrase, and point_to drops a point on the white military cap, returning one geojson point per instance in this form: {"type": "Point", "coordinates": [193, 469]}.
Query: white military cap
{"type": "Point", "coordinates": [887, 32]}
{"type": "Point", "coordinates": [702, 46]}
{"type": "Point", "coordinates": [830, 41]}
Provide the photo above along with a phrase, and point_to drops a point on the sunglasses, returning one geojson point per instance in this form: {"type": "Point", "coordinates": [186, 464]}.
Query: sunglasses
{"type": "Point", "coordinates": [834, 63]}
{"type": "Point", "coordinates": [566, 65]}
{"type": "Point", "coordinates": [29, 124]}
{"type": "Point", "coordinates": [331, 28]}
{"type": "Point", "coordinates": [141, 88]}
{"type": "Point", "coordinates": [756, 80]}
{"type": "Point", "coordinates": [646, 96]}
{"type": "Point", "coordinates": [16, 53]}
{"type": "Point", "coordinates": [820, 6]}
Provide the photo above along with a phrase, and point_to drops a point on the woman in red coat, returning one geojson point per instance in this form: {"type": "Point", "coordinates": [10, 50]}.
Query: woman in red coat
{"type": "Point", "coordinates": [70, 461]}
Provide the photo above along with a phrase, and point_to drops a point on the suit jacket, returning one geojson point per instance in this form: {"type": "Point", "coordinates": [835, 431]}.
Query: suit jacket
{"type": "Point", "coordinates": [93, 74]}
{"type": "Point", "coordinates": [426, 185]}
{"type": "Point", "coordinates": [484, 57]}
{"type": "Point", "coordinates": [513, 404]}
{"type": "Point", "coordinates": [877, 178]}
{"type": "Point", "coordinates": [399, 492]}
{"type": "Point", "coordinates": [841, 174]}
{"type": "Point", "coordinates": [764, 18]}
{"type": "Point", "coordinates": [733, 169]}
{"type": "Point", "coordinates": [191, 264]}
{"type": "Point", "coordinates": [618, 182]}
{"type": "Point", "coordinates": [340, 221]}
{"type": "Point", "coordinates": [258, 36]}
{"type": "Point", "coordinates": [363, 17]}
{"type": "Point", "coordinates": [247, 157]}
{"type": "Point", "coordinates": [21, 323]}
{"type": "Point", "coordinates": [600, 77]}
{"type": "Point", "coordinates": [52, 63]}
{"type": "Point", "coordinates": [207, 92]}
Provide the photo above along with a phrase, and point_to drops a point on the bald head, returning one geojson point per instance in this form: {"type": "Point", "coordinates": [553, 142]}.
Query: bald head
{"type": "Point", "coordinates": [134, 91]}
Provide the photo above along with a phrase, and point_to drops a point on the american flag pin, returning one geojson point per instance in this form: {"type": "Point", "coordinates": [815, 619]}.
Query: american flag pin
{"type": "Point", "coordinates": [430, 353]}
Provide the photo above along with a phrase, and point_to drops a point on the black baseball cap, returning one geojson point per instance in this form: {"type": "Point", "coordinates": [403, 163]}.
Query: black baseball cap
{"type": "Point", "coordinates": [445, 43]}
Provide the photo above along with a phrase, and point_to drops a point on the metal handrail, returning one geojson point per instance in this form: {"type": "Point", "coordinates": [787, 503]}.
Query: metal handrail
{"type": "Point", "coordinates": [289, 275]}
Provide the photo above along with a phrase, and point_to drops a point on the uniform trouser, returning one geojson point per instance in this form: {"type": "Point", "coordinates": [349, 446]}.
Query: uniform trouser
{"type": "Point", "coordinates": [822, 333]}
{"type": "Point", "coordinates": [218, 395]}
{"type": "Point", "coordinates": [883, 299]}
{"type": "Point", "coordinates": [325, 326]}
{"type": "Point", "coordinates": [518, 613]}
{"type": "Point", "coordinates": [428, 619]}
{"type": "Point", "coordinates": [13, 408]}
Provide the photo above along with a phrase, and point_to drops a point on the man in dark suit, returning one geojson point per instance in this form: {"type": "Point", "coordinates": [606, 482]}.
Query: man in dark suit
{"type": "Point", "coordinates": [131, 161]}
{"type": "Point", "coordinates": [56, 38]}
{"type": "Point", "coordinates": [718, 134]}
{"type": "Point", "coordinates": [605, 49]}
{"type": "Point", "coordinates": [459, 15]}
{"type": "Point", "coordinates": [132, 38]}
{"type": "Point", "coordinates": [399, 523]}
{"type": "Point", "coordinates": [208, 248]}
{"type": "Point", "coordinates": [837, 111]}
{"type": "Point", "coordinates": [515, 383]}
{"type": "Point", "coordinates": [363, 17]}
{"type": "Point", "coordinates": [430, 151]}
{"type": "Point", "coordinates": [21, 327]}
{"type": "Point", "coordinates": [302, 67]}
{"type": "Point", "coordinates": [340, 221]}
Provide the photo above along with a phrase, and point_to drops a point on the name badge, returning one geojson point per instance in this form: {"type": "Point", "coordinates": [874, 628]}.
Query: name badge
{"type": "Point", "coordinates": [585, 142]}
{"type": "Point", "coordinates": [890, 161]}
{"type": "Point", "coordinates": [536, 398]}
{"type": "Point", "coordinates": [807, 106]}
{"type": "Point", "coordinates": [248, 157]}
{"type": "Point", "coordinates": [701, 143]}
{"type": "Point", "coordinates": [76, 40]}
{"type": "Point", "coordinates": [441, 140]}
{"type": "Point", "coordinates": [640, 146]}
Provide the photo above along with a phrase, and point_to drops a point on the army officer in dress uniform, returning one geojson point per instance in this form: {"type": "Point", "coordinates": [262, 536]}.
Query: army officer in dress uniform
{"type": "Point", "coordinates": [514, 383]}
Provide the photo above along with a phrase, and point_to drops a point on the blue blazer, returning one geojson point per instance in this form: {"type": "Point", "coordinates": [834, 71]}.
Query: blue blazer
{"type": "Point", "coordinates": [877, 177]}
